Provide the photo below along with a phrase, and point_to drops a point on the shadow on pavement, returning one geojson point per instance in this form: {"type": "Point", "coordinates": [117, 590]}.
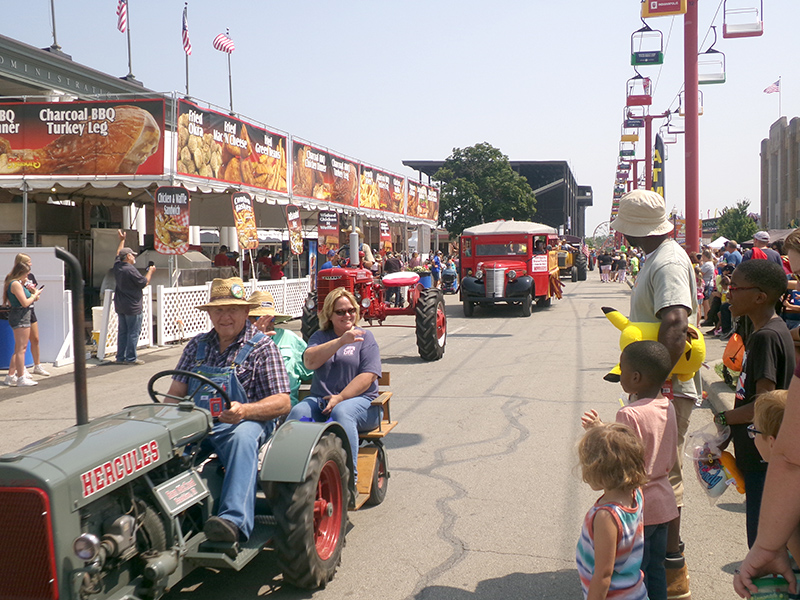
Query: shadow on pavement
{"type": "Point", "coordinates": [554, 585]}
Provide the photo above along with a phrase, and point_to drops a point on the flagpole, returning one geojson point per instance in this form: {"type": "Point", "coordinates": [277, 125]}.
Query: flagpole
{"type": "Point", "coordinates": [230, 81]}
{"type": "Point", "coordinates": [128, 29]}
{"type": "Point", "coordinates": [55, 47]}
{"type": "Point", "coordinates": [780, 91]}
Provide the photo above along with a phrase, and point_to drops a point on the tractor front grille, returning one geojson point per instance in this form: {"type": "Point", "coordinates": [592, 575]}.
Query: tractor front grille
{"type": "Point", "coordinates": [495, 283]}
{"type": "Point", "coordinates": [27, 557]}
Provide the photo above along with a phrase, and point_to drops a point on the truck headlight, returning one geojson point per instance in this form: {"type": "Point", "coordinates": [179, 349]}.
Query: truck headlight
{"type": "Point", "coordinates": [86, 546]}
{"type": "Point", "coordinates": [512, 274]}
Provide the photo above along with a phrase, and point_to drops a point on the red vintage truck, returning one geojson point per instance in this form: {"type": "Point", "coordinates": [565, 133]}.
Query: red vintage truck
{"type": "Point", "coordinates": [509, 261]}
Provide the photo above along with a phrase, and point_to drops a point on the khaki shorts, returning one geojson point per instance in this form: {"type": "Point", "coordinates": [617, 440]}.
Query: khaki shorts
{"type": "Point", "coordinates": [683, 412]}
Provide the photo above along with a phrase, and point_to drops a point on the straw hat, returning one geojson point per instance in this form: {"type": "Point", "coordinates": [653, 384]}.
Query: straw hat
{"type": "Point", "coordinates": [227, 292]}
{"type": "Point", "coordinates": [642, 213]}
{"type": "Point", "coordinates": [265, 305]}
{"type": "Point", "coordinates": [350, 230]}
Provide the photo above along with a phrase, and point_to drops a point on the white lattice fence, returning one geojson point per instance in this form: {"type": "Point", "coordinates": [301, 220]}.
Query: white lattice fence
{"type": "Point", "coordinates": [110, 324]}
{"type": "Point", "coordinates": [289, 294]}
{"type": "Point", "coordinates": [178, 319]}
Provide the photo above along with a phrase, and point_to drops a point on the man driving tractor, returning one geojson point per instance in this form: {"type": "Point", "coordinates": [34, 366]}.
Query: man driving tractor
{"type": "Point", "coordinates": [248, 364]}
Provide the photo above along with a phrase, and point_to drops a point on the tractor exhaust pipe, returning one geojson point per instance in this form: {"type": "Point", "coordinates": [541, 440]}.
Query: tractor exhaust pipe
{"type": "Point", "coordinates": [75, 285]}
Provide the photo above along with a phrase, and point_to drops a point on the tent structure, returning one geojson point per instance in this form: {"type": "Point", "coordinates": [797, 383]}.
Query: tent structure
{"type": "Point", "coordinates": [718, 243]}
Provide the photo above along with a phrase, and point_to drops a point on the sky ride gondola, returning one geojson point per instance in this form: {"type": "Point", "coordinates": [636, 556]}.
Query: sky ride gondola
{"type": "Point", "coordinates": [682, 103]}
{"type": "Point", "coordinates": [667, 136]}
{"type": "Point", "coordinates": [711, 64]}
{"type": "Point", "coordinates": [743, 18]}
{"type": "Point", "coordinates": [639, 91]}
{"type": "Point", "coordinates": [627, 149]}
{"type": "Point", "coordinates": [647, 47]}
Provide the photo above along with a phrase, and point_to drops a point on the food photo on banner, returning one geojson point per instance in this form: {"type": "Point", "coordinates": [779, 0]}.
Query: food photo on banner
{"type": "Point", "coordinates": [433, 204]}
{"type": "Point", "coordinates": [171, 215]}
{"type": "Point", "coordinates": [82, 138]}
{"type": "Point", "coordinates": [217, 146]}
{"type": "Point", "coordinates": [321, 175]}
{"type": "Point", "coordinates": [380, 190]}
{"type": "Point", "coordinates": [386, 236]}
{"type": "Point", "coordinates": [328, 231]}
{"type": "Point", "coordinates": [295, 226]}
{"type": "Point", "coordinates": [245, 220]}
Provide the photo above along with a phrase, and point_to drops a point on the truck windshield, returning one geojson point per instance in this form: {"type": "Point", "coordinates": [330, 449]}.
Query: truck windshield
{"type": "Point", "coordinates": [510, 249]}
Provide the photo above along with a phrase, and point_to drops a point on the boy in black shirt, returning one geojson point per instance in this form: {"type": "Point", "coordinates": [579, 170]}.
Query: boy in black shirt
{"type": "Point", "coordinates": [756, 285]}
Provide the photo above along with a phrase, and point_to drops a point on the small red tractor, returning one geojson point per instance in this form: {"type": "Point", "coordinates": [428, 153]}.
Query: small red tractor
{"type": "Point", "coordinates": [426, 304]}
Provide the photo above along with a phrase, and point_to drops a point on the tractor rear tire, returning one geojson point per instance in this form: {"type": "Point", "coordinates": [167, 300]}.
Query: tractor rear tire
{"type": "Point", "coordinates": [312, 517]}
{"type": "Point", "coordinates": [380, 478]}
{"type": "Point", "coordinates": [310, 320]}
{"type": "Point", "coordinates": [469, 308]}
{"type": "Point", "coordinates": [431, 324]}
{"type": "Point", "coordinates": [574, 273]}
{"type": "Point", "coordinates": [526, 305]}
{"type": "Point", "coordinates": [582, 263]}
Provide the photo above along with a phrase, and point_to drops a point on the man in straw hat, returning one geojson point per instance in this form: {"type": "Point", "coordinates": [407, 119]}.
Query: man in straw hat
{"type": "Point", "coordinates": [665, 292]}
{"type": "Point", "coordinates": [264, 317]}
{"type": "Point", "coordinates": [234, 354]}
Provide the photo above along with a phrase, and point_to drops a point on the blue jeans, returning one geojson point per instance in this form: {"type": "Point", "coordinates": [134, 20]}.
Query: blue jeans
{"type": "Point", "coordinates": [128, 336]}
{"type": "Point", "coordinates": [754, 486]}
{"type": "Point", "coordinates": [394, 296]}
{"type": "Point", "coordinates": [655, 551]}
{"type": "Point", "coordinates": [354, 414]}
{"type": "Point", "coordinates": [237, 447]}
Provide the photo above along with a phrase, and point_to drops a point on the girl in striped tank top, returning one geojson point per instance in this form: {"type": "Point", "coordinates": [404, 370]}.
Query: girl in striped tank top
{"type": "Point", "coordinates": [612, 538]}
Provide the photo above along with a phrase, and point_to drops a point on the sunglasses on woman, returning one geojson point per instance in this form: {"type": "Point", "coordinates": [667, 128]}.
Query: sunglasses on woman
{"type": "Point", "coordinates": [346, 311]}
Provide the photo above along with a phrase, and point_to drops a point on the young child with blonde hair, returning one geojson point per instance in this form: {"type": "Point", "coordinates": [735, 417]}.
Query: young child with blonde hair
{"type": "Point", "coordinates": [610, 548]}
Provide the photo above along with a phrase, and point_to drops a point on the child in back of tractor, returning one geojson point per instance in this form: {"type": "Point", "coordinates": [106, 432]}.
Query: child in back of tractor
{"type": "Point", "coordinates": [609, 554]}
{"type": "Point", "coordinates": [644, 367]}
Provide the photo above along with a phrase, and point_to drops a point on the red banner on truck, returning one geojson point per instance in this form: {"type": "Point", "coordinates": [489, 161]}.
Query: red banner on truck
{"type": "Point", "coordinates": [82, 138]}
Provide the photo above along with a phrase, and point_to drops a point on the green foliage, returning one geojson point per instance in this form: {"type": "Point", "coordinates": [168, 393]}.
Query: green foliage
{"type": "Point", "coordinates": [736, 223]}
{"type": "Point", "coordinates": [479, 186]}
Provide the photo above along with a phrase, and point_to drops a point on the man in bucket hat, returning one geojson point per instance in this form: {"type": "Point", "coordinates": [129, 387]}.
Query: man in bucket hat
{"type": "Point", "coordinates": [246, 362]}
{"type": "Point", "coordinates": [665, 292]}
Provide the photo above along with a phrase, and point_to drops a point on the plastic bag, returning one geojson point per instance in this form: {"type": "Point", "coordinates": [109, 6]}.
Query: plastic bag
{"type": "Point", "coordinates": [715, 468]}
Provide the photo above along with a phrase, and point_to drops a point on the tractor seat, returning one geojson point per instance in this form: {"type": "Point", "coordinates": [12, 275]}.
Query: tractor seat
{"type": "Point", "coordinates": [400, 279]}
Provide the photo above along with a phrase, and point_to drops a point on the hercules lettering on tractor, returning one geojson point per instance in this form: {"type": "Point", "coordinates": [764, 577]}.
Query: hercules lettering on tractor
{"type": "Point", "coordinates": [114, 508]}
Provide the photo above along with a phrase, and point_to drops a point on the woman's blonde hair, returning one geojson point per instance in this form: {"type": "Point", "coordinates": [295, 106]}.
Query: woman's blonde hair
{"type": "Point", "coordinates": [769, 409]}
{"type": "Point", "coordinates": [17, 272]}
{"type": "Point", "coordinates": [330, 300]}
{"type": "Point", "coordinates": [612, 457]}
{"type": "Point", "coordinates": [22, 258]}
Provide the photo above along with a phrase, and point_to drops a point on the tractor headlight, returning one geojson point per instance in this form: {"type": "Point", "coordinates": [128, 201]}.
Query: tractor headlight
{"type": "Point", "coordinates": [310, 304]}
{"type": "Point", "coordinates": [479, 274]}
{"type": "Point", "coordinates": [512, 274]}
{"type": "Point", "coordinates": [365, 302]}
{"type": "Point", "coordinates": [86, 546]}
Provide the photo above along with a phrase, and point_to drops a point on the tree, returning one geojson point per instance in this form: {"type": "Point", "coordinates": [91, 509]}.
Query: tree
{"type": "Point", "coordinates": [736, 223]}
{"type": "Point", "coordinates": [479, 186]}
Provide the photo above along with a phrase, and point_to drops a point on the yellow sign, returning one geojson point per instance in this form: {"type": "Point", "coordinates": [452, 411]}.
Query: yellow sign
{"type": "Point", "coordinates": [662, 8]}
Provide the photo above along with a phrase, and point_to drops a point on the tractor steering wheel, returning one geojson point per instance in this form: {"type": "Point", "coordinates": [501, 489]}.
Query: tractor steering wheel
{"type": "Point", "coordinates": [154, 395]}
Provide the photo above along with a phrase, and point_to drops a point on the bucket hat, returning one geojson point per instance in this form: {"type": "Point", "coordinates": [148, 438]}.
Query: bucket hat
{"type": "Point", "coordinates": [265, 306]}
{"type": "Point", "coordinates": [227, 292]}
{"type": "Point", "coordinates": [642, 213]}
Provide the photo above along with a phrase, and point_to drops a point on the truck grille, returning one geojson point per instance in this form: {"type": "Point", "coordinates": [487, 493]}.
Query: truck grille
{"type": "Point", "coordinates": [27, 559]}
{"type": "Point", "coordinates": [495, 283]}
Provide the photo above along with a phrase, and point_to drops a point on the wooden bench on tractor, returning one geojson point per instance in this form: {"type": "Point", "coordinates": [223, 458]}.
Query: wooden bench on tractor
{"type": "Point", "coordinates": [373, 467]}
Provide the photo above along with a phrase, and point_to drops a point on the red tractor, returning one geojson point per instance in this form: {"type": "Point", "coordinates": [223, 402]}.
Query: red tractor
{"type": "Point", "coordinates": [426, 304]}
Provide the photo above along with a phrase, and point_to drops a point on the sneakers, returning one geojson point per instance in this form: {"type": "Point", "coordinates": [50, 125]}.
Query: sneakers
{"type": "Point", "coordinates": [218, 529]}
{"type": "Point", "coordinates": [39, 370]}
{"type": "Point", "coordinates": [138, 361]}
{"type": "Point", "coordinates": [677, 579]}
{"type": "Point", "coordinates": [10, 380]}
{"type": "Point", "coordinates": [26, 381]}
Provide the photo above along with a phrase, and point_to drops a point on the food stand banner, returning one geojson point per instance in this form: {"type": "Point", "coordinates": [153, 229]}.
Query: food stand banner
{"type": "Point", "coordinates": [216, 146]}
{"type": "Point", "coordinates": [328, 231]}
{"type": "Point", "coordinates": [380, 190]}
{"type": "Point", "coordinates": [423, 201]}
{"type": "Point", "coordinates": [295, 229]}
{"type": "Point", "coordinates": [321, 175]}
{"type": "Point", "coordinates": [82, 138]}
{"type": "Point", "coordinates": [385, 233]}
{"type": "Point", "coordinates": [171, 220]}
{"type": "Point", "coordinates": [245, 220]}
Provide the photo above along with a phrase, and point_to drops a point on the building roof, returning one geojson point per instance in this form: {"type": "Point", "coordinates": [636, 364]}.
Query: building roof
{"type": "Point", "coordinates": [500, 227]}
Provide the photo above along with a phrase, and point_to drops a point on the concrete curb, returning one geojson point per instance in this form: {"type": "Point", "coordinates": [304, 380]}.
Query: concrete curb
{"type": "Point", "coordinates": [720, 395]}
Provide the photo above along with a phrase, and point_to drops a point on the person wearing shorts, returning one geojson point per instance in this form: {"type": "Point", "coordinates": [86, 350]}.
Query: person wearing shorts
{"type": "Point", "coordinates": [21, 300]}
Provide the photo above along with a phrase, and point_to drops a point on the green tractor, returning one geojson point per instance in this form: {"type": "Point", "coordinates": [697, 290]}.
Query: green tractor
{"type": "Point", "coordinates": [114, 508]}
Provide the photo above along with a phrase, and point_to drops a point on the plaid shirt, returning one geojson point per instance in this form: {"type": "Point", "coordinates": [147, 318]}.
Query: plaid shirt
{"type": "Point", "coordinates": [262, 374]}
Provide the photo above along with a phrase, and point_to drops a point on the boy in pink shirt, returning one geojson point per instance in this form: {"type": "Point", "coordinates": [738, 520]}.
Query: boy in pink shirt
{"type": "Point", "coordinates": [644, 368]}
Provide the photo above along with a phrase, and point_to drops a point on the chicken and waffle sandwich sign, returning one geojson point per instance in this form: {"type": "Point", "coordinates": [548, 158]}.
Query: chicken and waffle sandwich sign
{"type": "Point", "coordinates": [82, 138]}
{"type": "Point", "coordinates": [172, 220]}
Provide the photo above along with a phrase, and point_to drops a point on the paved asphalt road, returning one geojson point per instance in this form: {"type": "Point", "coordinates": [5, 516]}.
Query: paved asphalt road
{"type": "Point", "coordinates": [485, 500]}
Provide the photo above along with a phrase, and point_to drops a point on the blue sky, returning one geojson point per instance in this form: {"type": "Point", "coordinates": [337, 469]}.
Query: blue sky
{"type": "Point", "coordinates": [385, 81]}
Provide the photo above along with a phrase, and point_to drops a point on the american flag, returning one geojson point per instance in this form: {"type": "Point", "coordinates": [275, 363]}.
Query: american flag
{"type": "Point", "coordinates": [122, 15]}
{"type": "Point", "coordinates": [775, 87]}
{"type": "Point", "coordinates": [187, 45]}
{"type": "Point", "coordinates": [223, 43]}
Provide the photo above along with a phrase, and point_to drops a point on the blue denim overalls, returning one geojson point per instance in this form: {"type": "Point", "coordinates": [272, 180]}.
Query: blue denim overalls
{"type": "Point", "coordinates": [236, 445]}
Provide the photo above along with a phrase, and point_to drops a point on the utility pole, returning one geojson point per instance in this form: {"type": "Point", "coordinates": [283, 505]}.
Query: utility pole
{"type": "Point", "coordinates": [692, 139]}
